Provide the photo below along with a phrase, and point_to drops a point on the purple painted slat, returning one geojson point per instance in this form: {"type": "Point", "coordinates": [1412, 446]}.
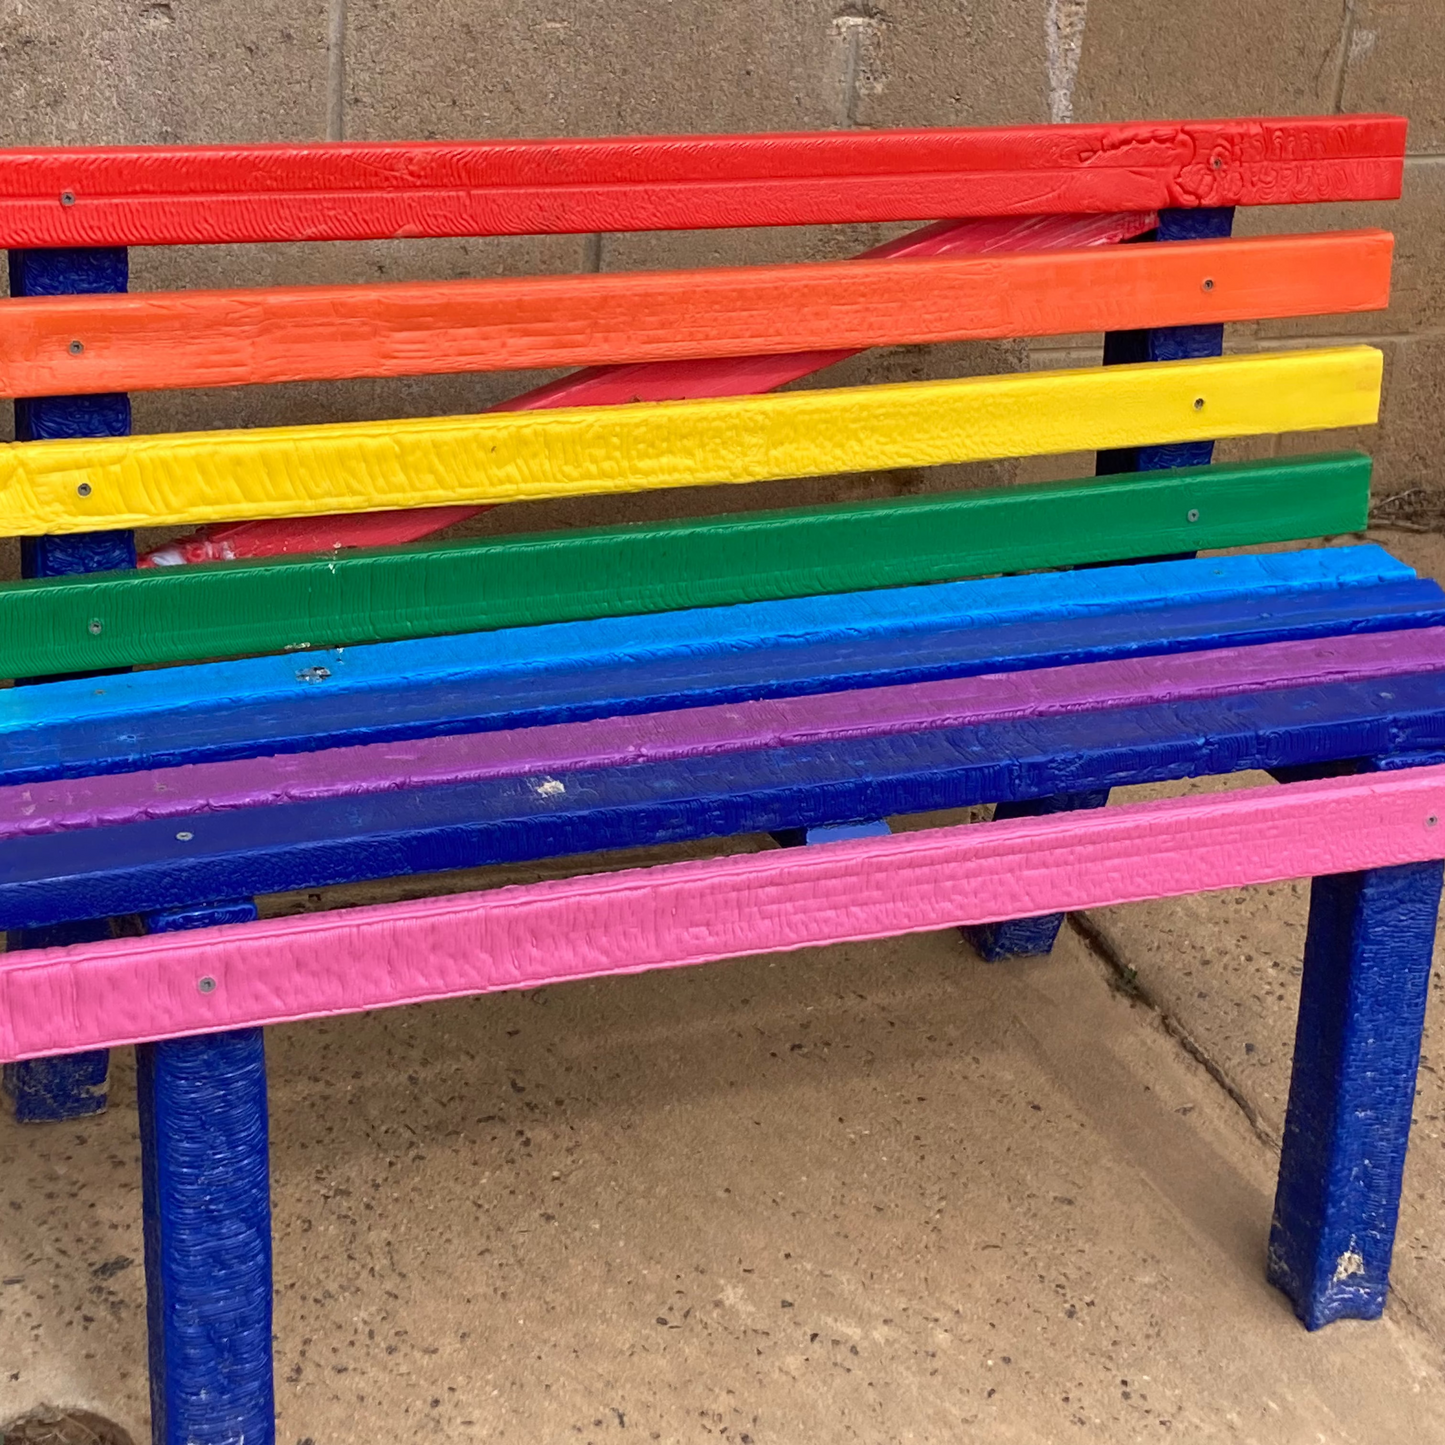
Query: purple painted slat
{"type": "Point", "coordinates": [735, 727]}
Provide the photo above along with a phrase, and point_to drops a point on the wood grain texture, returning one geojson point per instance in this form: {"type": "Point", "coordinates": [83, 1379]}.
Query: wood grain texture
{"type": "Point", "coordinates": [201, 476]}
{"type": "Point", "coordinates": [188, 613]}
{"type": "Point", "coordinates": [160, 195]}
{"type": "Point", "coordinates": [310, 965]}
{"type": "Point", "coordinates": [561, 748]}
{"type": "Point", "coordinates": [646, 381]}
{"type": "Point", "coordinates": [145, 342]}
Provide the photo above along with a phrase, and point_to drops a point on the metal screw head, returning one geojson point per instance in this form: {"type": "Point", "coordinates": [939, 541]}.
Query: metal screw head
{"type": "Point", "coordinates": [206, 984]}
{"type": "Point", "coordinates": [1431, 821]}
{"type": "Point", "coordinates": [1198, 403]}
{"type": "Point", "coordinates": [76, 347]}
{"type": "Point", "coordinates": [83, 490]}
{"type": "Point", "coordinates": [67, 198]}
{"type": "Point", "coordinates": [94, 626]}
{"type": "Point", "coordinates": [184, 837]}
{"type": "Point", "coordinates": [1209, 283]}
{"type": "Point", "coordinates": [1193, 514]}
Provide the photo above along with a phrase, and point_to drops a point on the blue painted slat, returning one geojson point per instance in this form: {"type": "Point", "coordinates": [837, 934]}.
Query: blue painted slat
{"type": "Point", "coordinates": [49, 1090]}
{"type": "Point", "coordinates": [1023, 937]}
{"type": "Point", "coordinates": [296, 845]}
{"type": "Point", "coordinates": [714, 631]}
{"type": "Point", "coordinates": [315, 717]}
{"type": "Point", "coordinates": [206, 1203]}
{"type": "Point", "coordinates": [1357, 1047]}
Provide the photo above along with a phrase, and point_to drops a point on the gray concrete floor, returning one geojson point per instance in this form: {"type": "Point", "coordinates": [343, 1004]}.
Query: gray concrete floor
{"type": "Point", "coordinates": [877, 1193]}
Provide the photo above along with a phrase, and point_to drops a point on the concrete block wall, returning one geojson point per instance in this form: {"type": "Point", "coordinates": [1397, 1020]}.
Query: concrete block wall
{"type": "Point", "coordinates": [108, 71]}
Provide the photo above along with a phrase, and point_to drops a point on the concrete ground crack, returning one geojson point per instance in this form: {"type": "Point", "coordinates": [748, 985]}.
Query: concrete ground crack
{"type": "Point", "coordinates": [1126, 980]}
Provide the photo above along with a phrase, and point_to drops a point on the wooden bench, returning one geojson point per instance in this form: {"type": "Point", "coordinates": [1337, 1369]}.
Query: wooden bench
{"type": "Point", "coordinates": [394, 706]}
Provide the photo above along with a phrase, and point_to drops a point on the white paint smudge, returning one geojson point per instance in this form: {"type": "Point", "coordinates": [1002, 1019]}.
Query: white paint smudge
{"type": "Point", "coordinates": [1362, 42]}
{"type": "Point", "coordinates": [1064, 43]}
{"type": "Point", "coordinates": [1351, 1262]}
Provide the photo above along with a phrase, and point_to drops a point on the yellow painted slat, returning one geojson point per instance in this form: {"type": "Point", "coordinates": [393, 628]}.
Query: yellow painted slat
{"type": "Point", "coordinates": [73, 486]}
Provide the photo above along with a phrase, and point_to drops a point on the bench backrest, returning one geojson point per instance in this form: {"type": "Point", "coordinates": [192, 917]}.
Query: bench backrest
{"type": "Point", "coordinates": [1019, 269]}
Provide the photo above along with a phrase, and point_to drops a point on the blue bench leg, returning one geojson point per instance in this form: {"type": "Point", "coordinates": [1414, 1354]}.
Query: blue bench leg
{"type": "Point", "coordinates": [1026, 937]}
{"type": "Point", "coordinates": [207, 1210]}
{"type": "Point", "coordinates": [1357, 1048]}
{"type": "Point", "coordinates": [47, 1090]}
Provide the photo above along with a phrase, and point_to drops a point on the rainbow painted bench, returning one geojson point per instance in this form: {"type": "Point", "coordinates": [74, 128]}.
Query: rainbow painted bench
{"type": "Point", "coordinates": [325, 696]}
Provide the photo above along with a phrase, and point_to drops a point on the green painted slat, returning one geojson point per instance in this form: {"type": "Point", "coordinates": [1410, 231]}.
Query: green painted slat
{"type": "Point", "coordinates": [119, 619]}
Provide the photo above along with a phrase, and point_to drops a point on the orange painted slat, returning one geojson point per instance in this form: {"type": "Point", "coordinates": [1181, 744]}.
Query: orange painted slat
{"type": "Point", "coordinates": [64, 345]}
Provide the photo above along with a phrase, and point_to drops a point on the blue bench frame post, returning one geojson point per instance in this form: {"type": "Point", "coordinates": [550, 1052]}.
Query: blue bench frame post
{"type": "Point", "coordinates": [1022, 937]}
{"type": "Point", "coordinates": [46, 1090]}
{"type": "Point", "coordinates": [206, 1202]}
{"type": "Point", "coordinates": [1368, 951]}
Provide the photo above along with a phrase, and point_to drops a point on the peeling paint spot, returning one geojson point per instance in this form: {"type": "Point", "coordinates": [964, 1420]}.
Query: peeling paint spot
{"type": "Point", "coordinates": [550, 788]}
{"type": "Point", "coordinates": [1351, 1262]}
{"type": "Point", "coordinates": [1064, 44]}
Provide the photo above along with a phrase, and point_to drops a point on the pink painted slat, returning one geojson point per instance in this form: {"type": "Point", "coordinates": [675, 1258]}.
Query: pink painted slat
{"type": "Point", "coordinates": [33, 808]}
{"type": "Point", "coordinates": [644, 381]}
{"type": "Point", "coordinates": [122, 991]}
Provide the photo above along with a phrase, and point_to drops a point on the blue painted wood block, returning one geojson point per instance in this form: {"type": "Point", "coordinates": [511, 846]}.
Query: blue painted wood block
{"type": "Point", "coordinates": [1022, 937]}
{"type": "Point", "coordinates": [829, 833]}
{"type": "Point", "coordinates": [1357, 1048]}
{"type": "Point", "coordinates": [46, 1090]}
{"type": "Point", "coordinates": [207, 1214]}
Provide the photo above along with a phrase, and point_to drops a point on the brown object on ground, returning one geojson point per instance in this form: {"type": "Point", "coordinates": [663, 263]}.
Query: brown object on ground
{"type": "Point", "coordinates": [63, 1427]}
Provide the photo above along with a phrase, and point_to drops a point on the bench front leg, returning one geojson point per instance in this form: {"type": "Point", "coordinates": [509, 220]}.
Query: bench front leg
{"type": "Point", "coordinates": [206, 1197]}
{"type": "Point", "coordinates": [1357, 1048]}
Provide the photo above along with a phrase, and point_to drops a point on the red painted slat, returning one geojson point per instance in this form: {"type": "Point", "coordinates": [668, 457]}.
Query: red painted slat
{"type": "Point", "coordinates": [166, 195]}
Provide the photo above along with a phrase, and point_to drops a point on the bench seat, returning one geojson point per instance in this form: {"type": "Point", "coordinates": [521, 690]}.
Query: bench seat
{"type": "Point", "coordinates": [810, 756]}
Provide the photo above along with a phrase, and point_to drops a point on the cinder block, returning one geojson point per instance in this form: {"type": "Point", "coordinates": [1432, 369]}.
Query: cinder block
{"type": "Point", "coordinates": [919, 62]}
{"type": "Point", "coordinates": [111, 72]}
{"type": "Point", "coordinates": [1395, 58]}
{"type": "Point", "coordinates": [494, 68]}
{"type": "Point", "coordinates": [1142, 59]}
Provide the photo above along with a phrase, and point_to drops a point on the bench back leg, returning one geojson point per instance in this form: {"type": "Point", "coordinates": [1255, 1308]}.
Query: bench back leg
{"type": "Point", "coordinates": [1357, 1049]}
{"type": "Point", "coordinates": [207, 1210]}
{"type": "Point", "coordinates": [1023, 937]}
{"type": "Point", "coordinates": [46, 1090]}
